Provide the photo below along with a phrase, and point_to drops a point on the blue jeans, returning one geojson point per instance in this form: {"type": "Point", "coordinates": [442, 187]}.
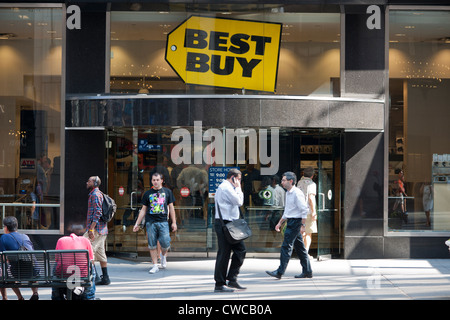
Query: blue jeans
{"type": "Point", "coordinates": [89, 292]}
{"type": "Point", "coordinates": [158, 231]}
{"type": "Point", "coordinates": [293, 239]}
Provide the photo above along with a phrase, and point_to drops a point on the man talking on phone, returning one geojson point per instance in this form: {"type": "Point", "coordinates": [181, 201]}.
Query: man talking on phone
{"type": "Point", "coordinates": [229, 197]}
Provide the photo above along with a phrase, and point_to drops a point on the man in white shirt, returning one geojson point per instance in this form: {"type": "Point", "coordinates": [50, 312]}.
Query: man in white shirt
{"type": "Point", "coordinates": [295, 213]}
{"type": "Point", "coordinates": [279, 193]}
{"type": "Point", "coordinates": [229, 197]}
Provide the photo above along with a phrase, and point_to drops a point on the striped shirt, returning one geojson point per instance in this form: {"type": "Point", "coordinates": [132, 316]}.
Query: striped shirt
{"type": "Point", "coordinates": [94, 212]}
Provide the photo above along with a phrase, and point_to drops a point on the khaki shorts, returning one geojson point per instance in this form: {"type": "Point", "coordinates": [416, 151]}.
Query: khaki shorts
{"type": "Point", "coordinates": [98, 246]}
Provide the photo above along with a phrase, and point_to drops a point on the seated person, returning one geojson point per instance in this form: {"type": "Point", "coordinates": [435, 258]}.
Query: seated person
{"type": "Point", "coordinates": [73, 242]}
{"type": "Point", "coordinates": [12, 241]}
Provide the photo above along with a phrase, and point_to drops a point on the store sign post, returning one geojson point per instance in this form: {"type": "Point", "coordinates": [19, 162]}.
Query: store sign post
{"type": "Point", "coordinates": [226, 53]}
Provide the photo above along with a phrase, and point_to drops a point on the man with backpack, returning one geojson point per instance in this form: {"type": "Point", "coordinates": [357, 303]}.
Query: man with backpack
{"type": "Point", "coordinates": [97, 227]}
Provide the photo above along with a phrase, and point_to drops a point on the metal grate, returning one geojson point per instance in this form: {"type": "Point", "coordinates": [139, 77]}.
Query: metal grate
{"type": "Point", "coordinates": [68, 263]}
{"type": "Point", "coordinates": [18, 266]}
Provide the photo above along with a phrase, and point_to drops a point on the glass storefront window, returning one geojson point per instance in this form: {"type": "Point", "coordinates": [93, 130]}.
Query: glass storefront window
{"type": "Point", "coordinates": [135, 153]}
{"type": "Point", "coordinates": [419, 136]}
{"type": "Point", "coordinates": [309, 57]}
{"type": "Point", "coordinates": [30, 121]}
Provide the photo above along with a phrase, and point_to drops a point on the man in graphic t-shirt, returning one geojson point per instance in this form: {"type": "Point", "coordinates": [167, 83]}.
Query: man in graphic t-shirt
{"type": "Point", "coordinates": [157, 206]}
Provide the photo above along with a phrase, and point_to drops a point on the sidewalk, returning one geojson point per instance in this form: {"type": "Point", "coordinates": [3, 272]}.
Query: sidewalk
{"type": "Point", "coordinates": [184, 279]}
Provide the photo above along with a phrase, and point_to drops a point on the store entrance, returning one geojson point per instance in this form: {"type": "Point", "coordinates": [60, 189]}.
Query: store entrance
{"type": "Point", "coordinates": [134, 153]}
{"type": "Point", "coordinates": [321, 150]}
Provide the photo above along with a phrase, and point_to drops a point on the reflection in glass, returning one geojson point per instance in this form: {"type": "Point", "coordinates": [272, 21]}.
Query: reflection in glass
{"type": "Point", "coordinates": [419, 70]}
{"type": "Point", "coordinates": [30, 104]}
{"type": "Point", "coordinates": [309, 53]}
{"type": "Point", "coordinates": [135, 153]}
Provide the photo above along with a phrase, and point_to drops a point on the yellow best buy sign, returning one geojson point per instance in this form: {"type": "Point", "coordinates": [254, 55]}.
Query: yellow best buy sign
{"type": "Point", "coordinates": [225, 52]}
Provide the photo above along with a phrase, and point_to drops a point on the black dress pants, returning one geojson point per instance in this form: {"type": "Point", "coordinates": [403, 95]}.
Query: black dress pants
{"type": "Point", "coordinates": [223, 257]}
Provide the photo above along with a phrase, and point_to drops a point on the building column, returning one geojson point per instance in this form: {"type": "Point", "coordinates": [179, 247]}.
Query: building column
{"type": "Point", "coordinates": [85, 74]}
{"type": "Point", "coordinates": [364, 76]}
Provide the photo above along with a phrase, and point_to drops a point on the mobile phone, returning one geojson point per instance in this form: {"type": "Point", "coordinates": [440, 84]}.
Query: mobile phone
{"type": "Point", "coordinates": [233, 179]}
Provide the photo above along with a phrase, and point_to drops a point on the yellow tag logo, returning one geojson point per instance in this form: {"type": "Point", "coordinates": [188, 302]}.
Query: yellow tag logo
{"type": "Point", "coordinates": [225, 53]}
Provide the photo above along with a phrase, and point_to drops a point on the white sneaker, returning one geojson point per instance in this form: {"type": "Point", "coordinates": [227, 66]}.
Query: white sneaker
{"type": "Point", "coordinates": [155, 269]}
{"type": "Point", "coordinates": [163, 262]}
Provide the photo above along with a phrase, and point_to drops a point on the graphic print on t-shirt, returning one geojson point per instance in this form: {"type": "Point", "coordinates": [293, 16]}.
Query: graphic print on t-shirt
{"type": "Point", "coordinates": [157, 201]}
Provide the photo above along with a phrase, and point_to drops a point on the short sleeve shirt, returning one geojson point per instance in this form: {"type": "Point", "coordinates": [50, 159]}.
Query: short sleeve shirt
{"type": "Point", "coordinates": [12, 242]}
{"type": "Point", "coordinates": [157, 202]}
{"type": "Point", "coordinates": [308, 187]}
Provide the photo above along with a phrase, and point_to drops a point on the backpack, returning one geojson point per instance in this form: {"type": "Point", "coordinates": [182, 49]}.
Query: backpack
{"type": "Point", "coordinates": [109, 208]}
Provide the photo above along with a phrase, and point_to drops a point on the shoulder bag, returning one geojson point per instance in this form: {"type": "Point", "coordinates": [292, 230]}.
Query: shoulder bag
{"type": "Point", "coordinates": [235, 231]}
{"type": "Point", "coordinates": [22, 257]}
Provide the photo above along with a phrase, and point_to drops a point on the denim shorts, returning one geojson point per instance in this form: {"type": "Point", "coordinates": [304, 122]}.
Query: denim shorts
{"type": "Point", "coordinates": [158, 231]}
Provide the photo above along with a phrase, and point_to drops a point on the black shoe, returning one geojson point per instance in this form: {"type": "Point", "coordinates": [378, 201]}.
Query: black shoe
{"type": "Point", "coordinates": [304, 275]}
{"type": "Point", "coordinates": [222, 289]}
{"type": "Point", "coordinates": [274, 274]}
{"type": "Point", "coordinates": [104, 281]}
{"type": "Point", "coordinates": [35, 296]}
{"type": "Point", "coordinates": [236, 285]}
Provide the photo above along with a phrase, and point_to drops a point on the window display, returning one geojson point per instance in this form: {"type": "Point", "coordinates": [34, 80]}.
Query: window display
{"type": "Point", "coordinates": [419, 135]}
{"type": "Point", "coordinates": [30, 125]}
{"type": "Point", "coordinates": [193, 186]}
{"type": "Point", "coordinates": [309, 50]}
